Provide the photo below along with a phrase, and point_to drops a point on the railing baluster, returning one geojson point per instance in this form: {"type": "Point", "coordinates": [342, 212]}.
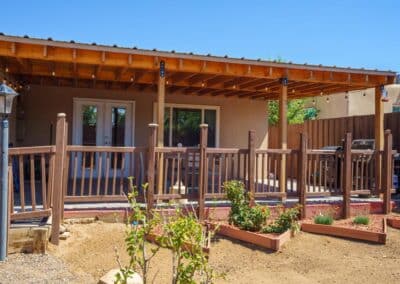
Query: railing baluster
{"type": "Point", "coordinates": [122, 174]}
{"type": "Point", "coordinates": [107, 178]}
{"type": "Point", "coordinates": [83, 172]}
{"type": "Point", "coordinates": [91, 172]}
{"type": "Point", "coordinates": [43, 175]}
{"type": "Point", "coordinates": [21, 181]}
{"type": "Point", "coordinates": [114, 181]}
{"type": "Point", "coordinates": [75, 173]}
{"type": "Point", "coordinates": [99, 167]}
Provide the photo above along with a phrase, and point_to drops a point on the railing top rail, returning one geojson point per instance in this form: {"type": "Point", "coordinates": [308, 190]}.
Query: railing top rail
{"type": "Point", "coordinates": [226, 151]}
{"type": "Point", "coordinates": [32, 150]}
{"type": "Point", "coordinates": [176, 149]}
{"type": "Point", "coordinates": [276, 151]}
{"type": "Point", "coordinates": [323, 152]}
{"type": "Point", "coordinates": [80, 148]}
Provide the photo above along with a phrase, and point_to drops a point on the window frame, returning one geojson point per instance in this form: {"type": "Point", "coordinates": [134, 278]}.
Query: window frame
{"type": "Point", "coordinates": [191, 106]}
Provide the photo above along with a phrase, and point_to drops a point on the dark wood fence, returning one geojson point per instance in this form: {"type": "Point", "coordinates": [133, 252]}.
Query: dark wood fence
{"type": "Point", "coordinates": [331, 132]}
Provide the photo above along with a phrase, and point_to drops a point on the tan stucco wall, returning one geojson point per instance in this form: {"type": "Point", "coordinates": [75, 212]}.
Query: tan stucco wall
{"type": "Point", "coordinates": [357, 103]}
{"type": "Point", "coordinates": [41, 105]}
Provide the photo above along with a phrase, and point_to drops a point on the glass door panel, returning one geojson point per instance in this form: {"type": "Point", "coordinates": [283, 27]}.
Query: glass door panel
{"type": "Point", "coordinates": [118, 132]}
{"type": "Point", "coordinates": [210, 118]}
{"type": "Point", "coordinates": [186, 127]}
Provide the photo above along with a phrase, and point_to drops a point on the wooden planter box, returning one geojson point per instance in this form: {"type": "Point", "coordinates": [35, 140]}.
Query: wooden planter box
{"type": "Point", "coordinates": [351, 233]}
{"type": "Point", "coordinates": [393, 222]}
{"type": "Point", "coordinates": [269, 241]}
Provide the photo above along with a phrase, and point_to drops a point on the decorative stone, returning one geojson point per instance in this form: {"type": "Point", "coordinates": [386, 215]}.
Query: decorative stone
{"type": "Point", "coordinates": [65, 235]}
{"type": "Point", "coordinates": [109, 278]}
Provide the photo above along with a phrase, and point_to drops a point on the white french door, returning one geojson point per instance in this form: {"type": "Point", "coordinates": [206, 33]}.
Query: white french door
{"type": "Point", "coordinates": [102, 123]}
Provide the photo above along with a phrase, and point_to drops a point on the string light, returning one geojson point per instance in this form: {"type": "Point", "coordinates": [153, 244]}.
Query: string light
{"type": "Point", "coordinates": [234, 86]}
{"type": "Point", "coordinates": [131, 79]}
{"type": "Point", "coordinates": [346, 96]}
{"type": "Point", "coordinates": [93, 76]}
{"type": "Point", "coordinates": [321, 93]}
{"type": "Point", "coordinates": [364, 94]}
{"type": "Point", "coordinates": [293, 90]}
{"type": "Point", "coordinates": [266, 89]}
{"type": "Point", "coordinates": [327, 100]}
{"type": "Point", "coordinates": [203, 84]}
{"type": "Point", "coordinates": [53, 73]}
{"type": "Point", "coordinates": [313, 102]}
{"type": "Point", "coordinates": [7, 70]}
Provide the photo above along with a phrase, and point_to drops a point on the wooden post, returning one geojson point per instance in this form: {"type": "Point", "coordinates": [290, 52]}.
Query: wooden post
{"type": "Point", "coordinates": [379, 138]}
{"type": "Point", "coordinates": [151, 167]}
{"type": "Point", "coordinates": [387, 173]}
{"type": "Point", "coordinates": [161, 105]}
{"type": "Point", "coordinates": [202, 174]}
{"type": "Point", "coordinates": [283, 135]}
{"type": "Point", "coordinates": [347, 176]}
{"type": "Point", "coordinates": [65, 173]}
{"type": "Point", "coordinates": [160, 122]}
{"type": "Point", "coordinates": [302, 174]}
{"type": "Point", "coordinates": [251, 166]}
{"type": "Point", "coordinates": [61, 143]}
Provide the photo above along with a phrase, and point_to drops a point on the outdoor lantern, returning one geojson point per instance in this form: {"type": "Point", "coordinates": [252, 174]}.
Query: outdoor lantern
{"type": "Point", "coordinates": [384, 94]}
{"type": "Point", "coordinates": [7, 96]}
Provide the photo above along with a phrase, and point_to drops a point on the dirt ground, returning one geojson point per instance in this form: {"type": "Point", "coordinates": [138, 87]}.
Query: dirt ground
{"type": "Point", "coordinates": [308, 258]}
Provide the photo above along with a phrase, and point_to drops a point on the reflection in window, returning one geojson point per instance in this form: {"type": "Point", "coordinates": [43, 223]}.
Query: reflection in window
{"type": "Point", "coordinates": [118, 120]}
{"type": "Point", "coordinates": [182, 126]}
{"type": "Point", "coordinates": [89, 125]}
{"type": "Point", "coordinates": [89, 130]}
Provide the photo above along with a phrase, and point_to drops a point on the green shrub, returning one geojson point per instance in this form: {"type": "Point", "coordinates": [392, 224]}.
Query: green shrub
{"type": "Point", "coordinates": [323, 219]}
{"type": "Point", "coordinates": [286, 220]}
{"type": "Point", "coordinates": [242, 215]}
{"type": "Point", "coordinates": [361, 220]}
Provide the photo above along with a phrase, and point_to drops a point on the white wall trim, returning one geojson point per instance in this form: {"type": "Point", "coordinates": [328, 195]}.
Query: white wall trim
{"type": "Point", "coordinates": [79, 101]}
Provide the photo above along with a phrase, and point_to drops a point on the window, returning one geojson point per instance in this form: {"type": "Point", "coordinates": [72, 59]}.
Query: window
{"type": "Point", "coordinates": [182, 125]}
{"type": "Point", "coordinates": [396, 108]}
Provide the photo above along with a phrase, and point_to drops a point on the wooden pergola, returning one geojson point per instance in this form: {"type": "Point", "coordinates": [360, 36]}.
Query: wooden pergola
{"type": "Point", "coordinates": [24, 60]}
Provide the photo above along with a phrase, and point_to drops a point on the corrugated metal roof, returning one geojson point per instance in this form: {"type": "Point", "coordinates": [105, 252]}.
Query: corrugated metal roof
{"type": "Point", "coordinates": [154, 52]}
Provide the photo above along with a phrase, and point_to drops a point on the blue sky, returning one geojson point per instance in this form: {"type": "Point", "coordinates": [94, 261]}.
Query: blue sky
{"type": "Point", "coordinates": [343, 33]}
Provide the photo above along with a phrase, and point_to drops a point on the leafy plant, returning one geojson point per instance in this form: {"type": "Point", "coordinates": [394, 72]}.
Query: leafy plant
{"type": "Point", "coordinates": [242, 215]}
{"type": "Point", "coordinates": [184, 235]}
{"type": "Point", "coordinates": [287, 220]}
{"type": "Point", "coordinates": [361, 220]}
{"type": "Point", "coordinates": [323, 219]}
{"type": "Point", "coordinates": [139, 228]}
{"type": "Point", "coordinates": [297, 111]}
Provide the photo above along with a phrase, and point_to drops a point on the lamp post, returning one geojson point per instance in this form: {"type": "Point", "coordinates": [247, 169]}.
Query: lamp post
{"type": "Point", "coordinates": [7, 95]}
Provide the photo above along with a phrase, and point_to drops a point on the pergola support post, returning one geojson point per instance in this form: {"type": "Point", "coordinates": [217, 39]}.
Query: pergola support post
{"type": "Point", "coordinates": [379, 138]}
{"type": "Point", "coordinates": [203, 178]}
{"type": "Point", "coordinates": [347, 176]}
{"type": "Point", "coordinates": [160, 122]}
{"type": "Point", "coordinates": [387, 178]}
{"type": "Point", "coordinates": [283, 135]}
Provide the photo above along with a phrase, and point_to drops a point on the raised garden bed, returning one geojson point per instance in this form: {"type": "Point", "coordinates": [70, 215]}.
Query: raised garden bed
{"type": "Point", "coordinates": [374, 232]}
{"type": "Point", "coordinates": [269, 241]}
{"type": "Point", "coordinates": [393, 221]}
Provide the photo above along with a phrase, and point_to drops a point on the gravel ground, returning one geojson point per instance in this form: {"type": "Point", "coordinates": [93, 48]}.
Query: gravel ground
{"type": "Point", "coordinates": [34, 268]}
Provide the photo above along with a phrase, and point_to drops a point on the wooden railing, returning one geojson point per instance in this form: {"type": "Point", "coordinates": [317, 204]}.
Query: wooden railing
{"type": "Point", "coordinates": [176, 172]}
{"type": "Point", "coordinates": [222, 165]}
{"type": "Point", "coordinates": [43, 178]}
{"type": "Point", "coordinates": [100, 173]}
{"type": "Point", "coordinates": [31, 181]}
